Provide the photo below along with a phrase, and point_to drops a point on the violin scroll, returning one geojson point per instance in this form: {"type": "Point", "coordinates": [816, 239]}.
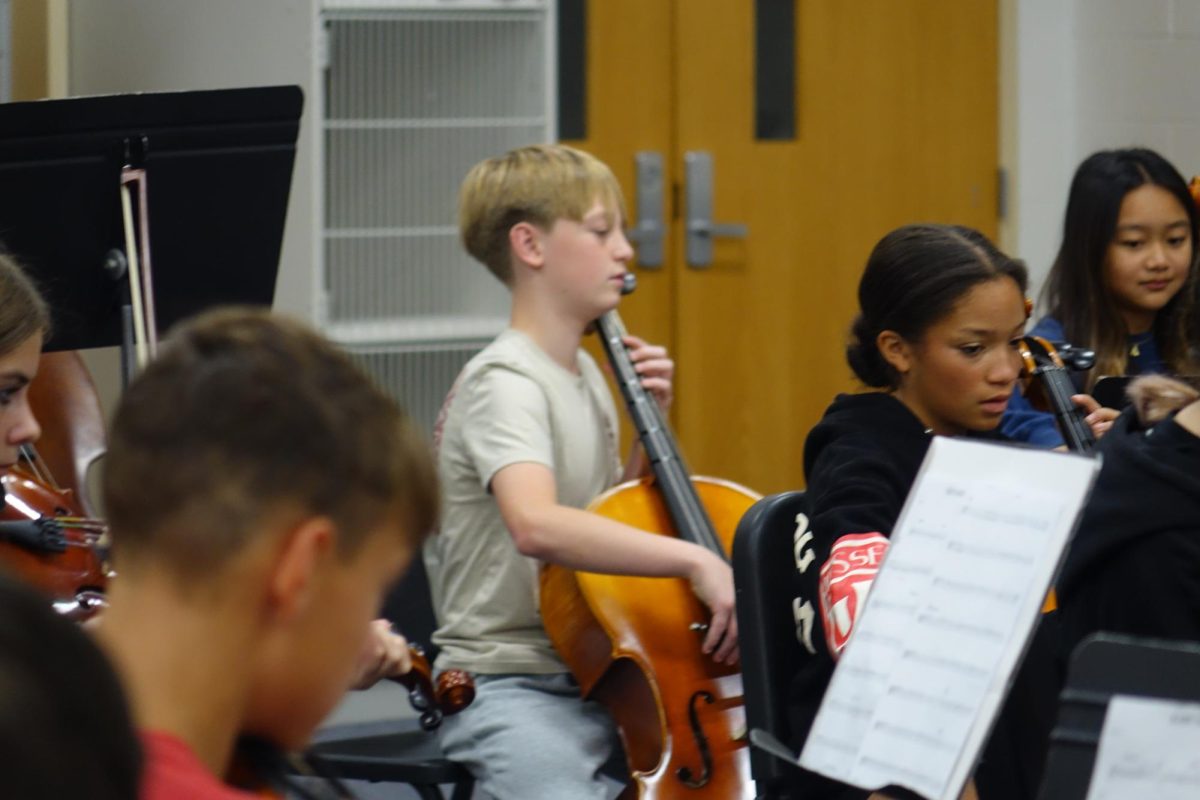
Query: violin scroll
{"type": "Point", "coordinates": [1053, 388]}
{"type": "Point", "coordinates": [452, 692]}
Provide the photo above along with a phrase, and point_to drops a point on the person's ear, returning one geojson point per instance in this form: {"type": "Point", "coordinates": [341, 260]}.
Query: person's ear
{"type": "Point", "coordinates": [525, 240]}
{"type": "Point", "coordinates": [895, 350]}
{"type": "Point", "coordinates": [306, 549]}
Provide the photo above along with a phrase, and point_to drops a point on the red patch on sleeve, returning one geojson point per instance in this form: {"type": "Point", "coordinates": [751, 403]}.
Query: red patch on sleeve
{"type": "Point", "coordinates": [845, 580]}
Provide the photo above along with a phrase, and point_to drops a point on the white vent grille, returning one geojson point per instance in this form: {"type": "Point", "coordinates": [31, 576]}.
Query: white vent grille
{"type": "Point", "coordinates": [413, 98]}
{"type": "Point", "coordinates": [419, 377]}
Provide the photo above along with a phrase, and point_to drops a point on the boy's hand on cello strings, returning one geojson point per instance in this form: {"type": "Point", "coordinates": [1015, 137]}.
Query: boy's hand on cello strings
{"type": "Point", "coordinates": [711, 578]}
{"type": "Point", "coordinates": [712, 581]}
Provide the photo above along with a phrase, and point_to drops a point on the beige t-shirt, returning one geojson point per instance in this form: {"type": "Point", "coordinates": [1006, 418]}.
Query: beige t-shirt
{"type": "Point", "coordinates": [511, 404]}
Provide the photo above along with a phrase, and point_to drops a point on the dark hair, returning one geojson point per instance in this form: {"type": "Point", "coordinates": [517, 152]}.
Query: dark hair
{"type": "Point", "coordinates": [914, 277]}
{"type": "Point", "coordinates": [244, 414]}
{"type": "Point", "coordinates": [1076, 293]}
{"type": "Point", "coordinates": [23, 312]}
{"type": "Point", "coordinates": [65, 728]}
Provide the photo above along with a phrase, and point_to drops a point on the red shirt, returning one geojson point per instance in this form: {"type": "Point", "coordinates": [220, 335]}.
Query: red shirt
{"type": "Point", "coordinates": [173, 772]}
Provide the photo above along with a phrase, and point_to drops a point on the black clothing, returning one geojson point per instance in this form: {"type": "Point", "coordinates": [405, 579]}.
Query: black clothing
{"type": "Point", "coordinates": [1134, 566]}
{"type": "Point", "coordinates": [859, 461]}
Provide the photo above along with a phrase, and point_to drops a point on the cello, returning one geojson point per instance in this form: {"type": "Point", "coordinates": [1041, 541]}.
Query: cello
{"type": "Point", "coordinates": [633, 643]}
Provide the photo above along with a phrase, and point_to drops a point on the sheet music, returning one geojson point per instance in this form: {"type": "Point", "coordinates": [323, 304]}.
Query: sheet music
{"type": "Point", "coordinates": [1148, 748]}
{"type": "Point", "coordinates": [971, 559]}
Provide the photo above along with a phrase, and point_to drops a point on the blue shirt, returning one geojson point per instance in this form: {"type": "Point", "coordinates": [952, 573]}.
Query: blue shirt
{"type": "Point", "coordinates": [1023, 423]}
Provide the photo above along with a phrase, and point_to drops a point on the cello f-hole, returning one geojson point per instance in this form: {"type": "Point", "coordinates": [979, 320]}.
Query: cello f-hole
{"type": "Point", "coordinates": [685, 773]}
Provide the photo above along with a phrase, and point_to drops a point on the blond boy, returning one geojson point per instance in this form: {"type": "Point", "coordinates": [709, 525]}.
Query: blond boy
{"type": "Point", "coordinates": [527, 438]}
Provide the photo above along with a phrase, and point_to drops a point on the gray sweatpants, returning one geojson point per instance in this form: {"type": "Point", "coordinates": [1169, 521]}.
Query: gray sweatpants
{"type": "Point", "coordinates": [531, 737]}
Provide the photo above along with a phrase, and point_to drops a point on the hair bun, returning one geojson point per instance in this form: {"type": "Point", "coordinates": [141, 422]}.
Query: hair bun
{"type": "Point", "coordinates": [864, 357]}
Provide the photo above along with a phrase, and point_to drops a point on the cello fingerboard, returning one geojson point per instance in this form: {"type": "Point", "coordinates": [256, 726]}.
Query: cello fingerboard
{"type": "Point", "coordinates": [671, 474]}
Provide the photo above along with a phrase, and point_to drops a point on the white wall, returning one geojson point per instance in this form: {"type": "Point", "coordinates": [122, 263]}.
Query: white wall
{"type": "Point", "coordinates": [1086, 75]}
{"type": "Point", "coordinates": [119, 46]}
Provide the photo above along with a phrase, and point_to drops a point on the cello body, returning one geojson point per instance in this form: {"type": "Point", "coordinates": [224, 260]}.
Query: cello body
{"type": "Point", "coordinates": [634, 644]}
{"type": "Point", "coordinates": [630, 644]}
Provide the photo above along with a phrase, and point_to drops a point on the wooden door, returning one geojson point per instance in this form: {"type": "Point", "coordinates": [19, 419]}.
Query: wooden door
{"type": "Point", "coordinates": [896, 104]}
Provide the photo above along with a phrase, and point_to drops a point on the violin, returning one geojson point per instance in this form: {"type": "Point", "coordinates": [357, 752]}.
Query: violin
{"type": "Point", "coordinates": [47, 542]}
{"type": "Point", "coordinates": [1048, 384]}
{"type": "Point", "coordinates": [633, 643]}
{"type": "Point", "coordinates": [48, 537]}
{"type": "Point", "coordinates": [262, 768]}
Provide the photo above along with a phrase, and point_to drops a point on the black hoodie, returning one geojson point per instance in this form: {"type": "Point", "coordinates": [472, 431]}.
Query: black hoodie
{"type": "Point", "coordinates": [860, 461]}
{"type": "Point", "coordinates": [1134, 565]}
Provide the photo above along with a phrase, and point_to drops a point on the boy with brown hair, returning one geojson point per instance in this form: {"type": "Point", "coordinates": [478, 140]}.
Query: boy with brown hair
{"type": "Point", "coordinates": [263, 494]}
{"type": "Point", "coordinates": [527, 438]}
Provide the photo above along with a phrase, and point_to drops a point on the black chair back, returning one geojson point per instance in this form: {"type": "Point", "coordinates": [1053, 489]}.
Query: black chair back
{"type": "Point", "coordinates": [764, 567]}
{"type": "Point", "coordinates": [1102, 665]}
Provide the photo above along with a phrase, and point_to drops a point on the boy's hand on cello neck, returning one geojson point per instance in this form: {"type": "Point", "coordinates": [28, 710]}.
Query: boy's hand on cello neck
{"type": "Point", "coordinates": [656, 369]}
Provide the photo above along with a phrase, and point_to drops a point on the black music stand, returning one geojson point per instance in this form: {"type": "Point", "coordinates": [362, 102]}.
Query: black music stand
{"type": "Point", "coordinates": [219, 169]}
{"type": "Point", "coordinates": [1102, 665]}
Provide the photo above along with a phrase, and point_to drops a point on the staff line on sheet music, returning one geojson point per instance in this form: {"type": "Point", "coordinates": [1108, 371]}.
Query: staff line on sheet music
{"type": "Point", "coordinates": [853, 709]}
{"type": "Point", "coordinates": [864, 672]}
{"type": "Point", "coordinates": [990, 552]}
{"type": "Point", "coordinates": [903, 608]}
{"type": "Point", "coordinates": [944, 702]}
{"type": "Point", "coordinates": [1037, 522]}
{"type": "Point", "coordinates": [976, 588]}
{"type": "Point", "coordinates": [917, 736]}
{"type": "Point", "coordinates": [910, 567]}
{"type": "Point", "coordinates": [946, 663]}
{"type": "Point", "coordinates": [965, 627]}
{"type": "Point", "coordinates": [871, 636]}
{"type": "Point", "coordinates": [836, 744]}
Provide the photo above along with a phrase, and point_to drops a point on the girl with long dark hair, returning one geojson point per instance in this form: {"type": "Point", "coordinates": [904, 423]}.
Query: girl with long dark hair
{"type": "Point", "coordinates": [1124, 281]}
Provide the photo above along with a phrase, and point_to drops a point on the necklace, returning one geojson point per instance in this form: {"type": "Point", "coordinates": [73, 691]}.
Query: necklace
{"type": "Point", "coordinates": [1135, 342]}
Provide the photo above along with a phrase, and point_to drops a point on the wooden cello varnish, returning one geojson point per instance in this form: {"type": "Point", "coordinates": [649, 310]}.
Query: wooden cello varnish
{"type": "Point", "coordinates": [633, 644]}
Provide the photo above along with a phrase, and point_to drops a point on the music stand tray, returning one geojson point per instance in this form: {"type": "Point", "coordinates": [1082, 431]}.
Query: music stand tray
{"type": "Point", "coordinates": [219, 169]}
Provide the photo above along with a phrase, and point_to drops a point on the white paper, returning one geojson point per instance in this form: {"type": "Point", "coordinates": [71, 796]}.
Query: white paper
{"type": "Point", "coordinates": [971, 559]}
{"type": "Point", "coordinates": [1148, 748]}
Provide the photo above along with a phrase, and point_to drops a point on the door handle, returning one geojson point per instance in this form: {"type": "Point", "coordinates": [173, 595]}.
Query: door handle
{"type": "Point", "coordinates": [698, 222]}
{"type": "Point", "coordinates": [649, 230]}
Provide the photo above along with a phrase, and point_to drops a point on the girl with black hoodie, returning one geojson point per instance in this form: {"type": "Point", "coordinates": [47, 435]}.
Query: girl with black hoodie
{"type": "Point", "coordinates": [941, 313]}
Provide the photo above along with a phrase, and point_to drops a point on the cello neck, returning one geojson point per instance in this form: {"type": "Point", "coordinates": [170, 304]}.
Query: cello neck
{"type": "Point", "coordinates": [671, 474]}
